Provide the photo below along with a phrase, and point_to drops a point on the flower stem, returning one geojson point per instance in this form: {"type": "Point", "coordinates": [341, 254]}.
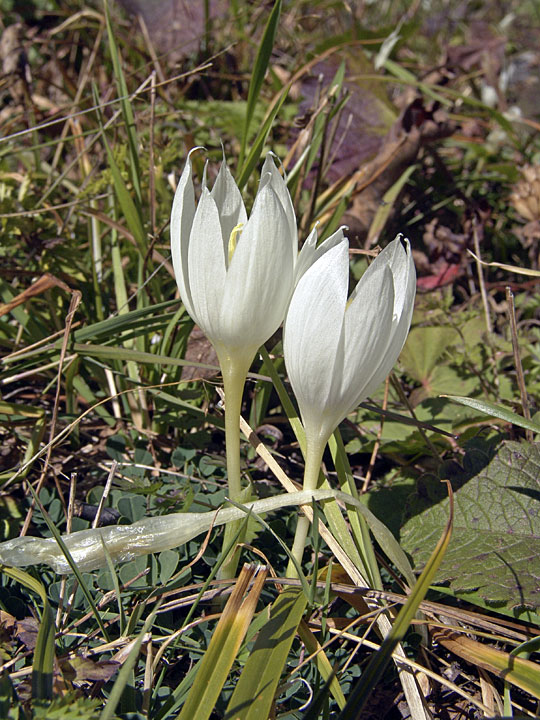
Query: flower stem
{"type": "Point", "coordinates": [234, 377]}
{"type": "Point", "coordinates": [314, 453]}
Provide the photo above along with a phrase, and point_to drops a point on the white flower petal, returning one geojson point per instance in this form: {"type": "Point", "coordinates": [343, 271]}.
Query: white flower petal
{"type": "Point", "coordinates": [228, 201]}
{"type": "Point", "coordinates": [306, 255]}
{"type": "Point", "coordinates": [260, 276]}
{"type": "Point", "coordinates": [206, 265]}
{"type": "Point", "coordinates": [368, 331]}
{"type": "Point", "coordinates": [183, 212]}
{"type": "Point", "coordinates": [310, 252]}
{"type": "Point", "coordinates": [270, 174]}
{"type": "Point", "coordinates": [312, 335]}
{"type": "Point", "coordinates": [405, 284]}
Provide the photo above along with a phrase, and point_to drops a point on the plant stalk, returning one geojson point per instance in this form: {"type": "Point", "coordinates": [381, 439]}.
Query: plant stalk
{"type": "Point", "coordinates": [234, 373]}
{"type": "Point", "coordinates": [314, 454]}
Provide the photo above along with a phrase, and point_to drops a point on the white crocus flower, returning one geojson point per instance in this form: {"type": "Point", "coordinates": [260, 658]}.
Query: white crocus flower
{"type": "Point", "coordinates": [235, 275]}
{"type": "Point", "coordinates": [338, 350]}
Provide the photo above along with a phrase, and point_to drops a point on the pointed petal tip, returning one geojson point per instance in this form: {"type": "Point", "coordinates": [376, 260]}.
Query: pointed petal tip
{"type": "Point", "coordinates": [193, 150]}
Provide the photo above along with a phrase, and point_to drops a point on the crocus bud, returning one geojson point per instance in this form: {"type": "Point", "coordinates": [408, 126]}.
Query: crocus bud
{"type": "Point", "coordinates": [338, 350]}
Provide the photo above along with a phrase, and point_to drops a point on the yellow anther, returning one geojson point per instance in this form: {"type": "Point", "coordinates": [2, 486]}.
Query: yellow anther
{"type": "Point", "coordinates": [233, 239]}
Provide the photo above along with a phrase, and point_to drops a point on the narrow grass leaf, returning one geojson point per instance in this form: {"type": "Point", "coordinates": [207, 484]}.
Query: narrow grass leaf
{"type": "Point", "coordinates": [494, 410]}
{"type": "Point", "coordinates": [388, 543]}
{"type": "Point", "coordinates": [254, 693]}
{"type": "Point", "coordinates": [260, 139]}
{"type": "Point", "coordinates": [259, 69]}
{"type": "Point", "coordinates": [73, 565]}
{"type": "Point", "coordinates": [130, 209]}
{"type": "Point", "coordinates": [127, 110]}
{"type": "Point", "coordinates": [109, 711]}
{"type": "Point", "coordinates": [520, 672]}
{"type": "Point", "coordinates": [215, 666]}
{"type": "Point", "coordinates": [511, 268]}
{"type": "Point", "coordinates": [127, 205]}
{"type": "Point", "coordinates": [386, 206]}
{"type": "Point", "coordinates": [376, 666]}
{"type": "Point", "coordinates": [43, 662]}
{"type": "Point", "coordinates": [324, 665]}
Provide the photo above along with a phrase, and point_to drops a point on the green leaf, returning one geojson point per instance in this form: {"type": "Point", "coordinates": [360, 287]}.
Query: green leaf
{"type": "Point", "coordinates": [254, 693]}
{"type": "Point", "coordinates": [494, 410]}
{"type": "Point", "coordinates": [127, 205]}
{"type": "Point", "coordinates": [70, 706]}
{"type": "Point", "coordinates": [43, 663]}
{"type": "Point", "coordinates": [386, 206]}
{"type": "Point", "coordinates": [380, 659]}
{"type": "Point", "coordinates": [168, 562]}
{"type": "Point", "coordinates": [258, 144]}
{"type": "Point", "coordinates": [127, 110]}
{"type": "Point", "coordinates": [216, 663]}
{"type": "Point", "coordinates": [494, 548]}
{"type": "Point", "coordinates": [109, 711]}
{"type": "Point", "coordinates": [423, 350]}
{"type": "Point", "coordinates": [259, 68]}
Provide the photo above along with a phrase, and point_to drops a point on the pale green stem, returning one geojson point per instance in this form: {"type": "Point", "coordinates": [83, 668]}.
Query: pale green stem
{"type": "Point", "coordinates": [234, 377]}
{"type": "Point", "coordinates": [314, 453]}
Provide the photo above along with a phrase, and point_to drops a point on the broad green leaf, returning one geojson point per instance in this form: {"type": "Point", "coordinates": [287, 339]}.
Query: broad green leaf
{"type": "Point", "coordinates": [423, 350]}
{"type": "Point", "coordinates": [168, 562]}
{"type": "Point", "coordinates": [494, 548]}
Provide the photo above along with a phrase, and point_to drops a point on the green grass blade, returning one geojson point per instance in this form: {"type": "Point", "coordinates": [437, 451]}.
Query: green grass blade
{"type": "Point", "coordinates": [43, 663]}
{"type": "Point", "coordinates": [494, 410]}
{"type": "Point", "coordinates": [324, 665]}
{"type": "Point", "coordinates": [73, 565]}
{"type": "Point", "coordinates": [259, 70]}
{"type": "Point", "coordinates": [376, 666]}
{"type": "Point", "coordinates": [260, 139]}
{"type": "Point", "coordinates": [254, 693]}
{"type": "Point", "coordinates": [127, 205]}
{"type": "Point", "coordinates": [130, 209]}
{"type": "Point", "coordinates": [365, 518]}
{"type": "Point", "coordinates": [215, 666]}
{"type": "Point", "coordinates": [386, 206]}
{"type": "Point", "coordinates": [358, 523]}
{"type": "Point", "coordinates": [109, 711]}
{"type": "Point", "coordinates": [127, 110]}
{"type": "Point", "coordinates": [285, 400]}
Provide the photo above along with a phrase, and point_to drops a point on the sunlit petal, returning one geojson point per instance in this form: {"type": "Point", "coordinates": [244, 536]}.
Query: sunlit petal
{"type": "Point", "coordinates": [206, 265]}
{"type": "Point", "coordinates": [260, 276]}
{"type": "Point", "coordinates": [271, 175]}
{"type": "Point", "coordinates": [183, 212]}
{"type": "Point", "coordinates": [228, 201]}
{"type": "Point", "coordinates": [313, 331]}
